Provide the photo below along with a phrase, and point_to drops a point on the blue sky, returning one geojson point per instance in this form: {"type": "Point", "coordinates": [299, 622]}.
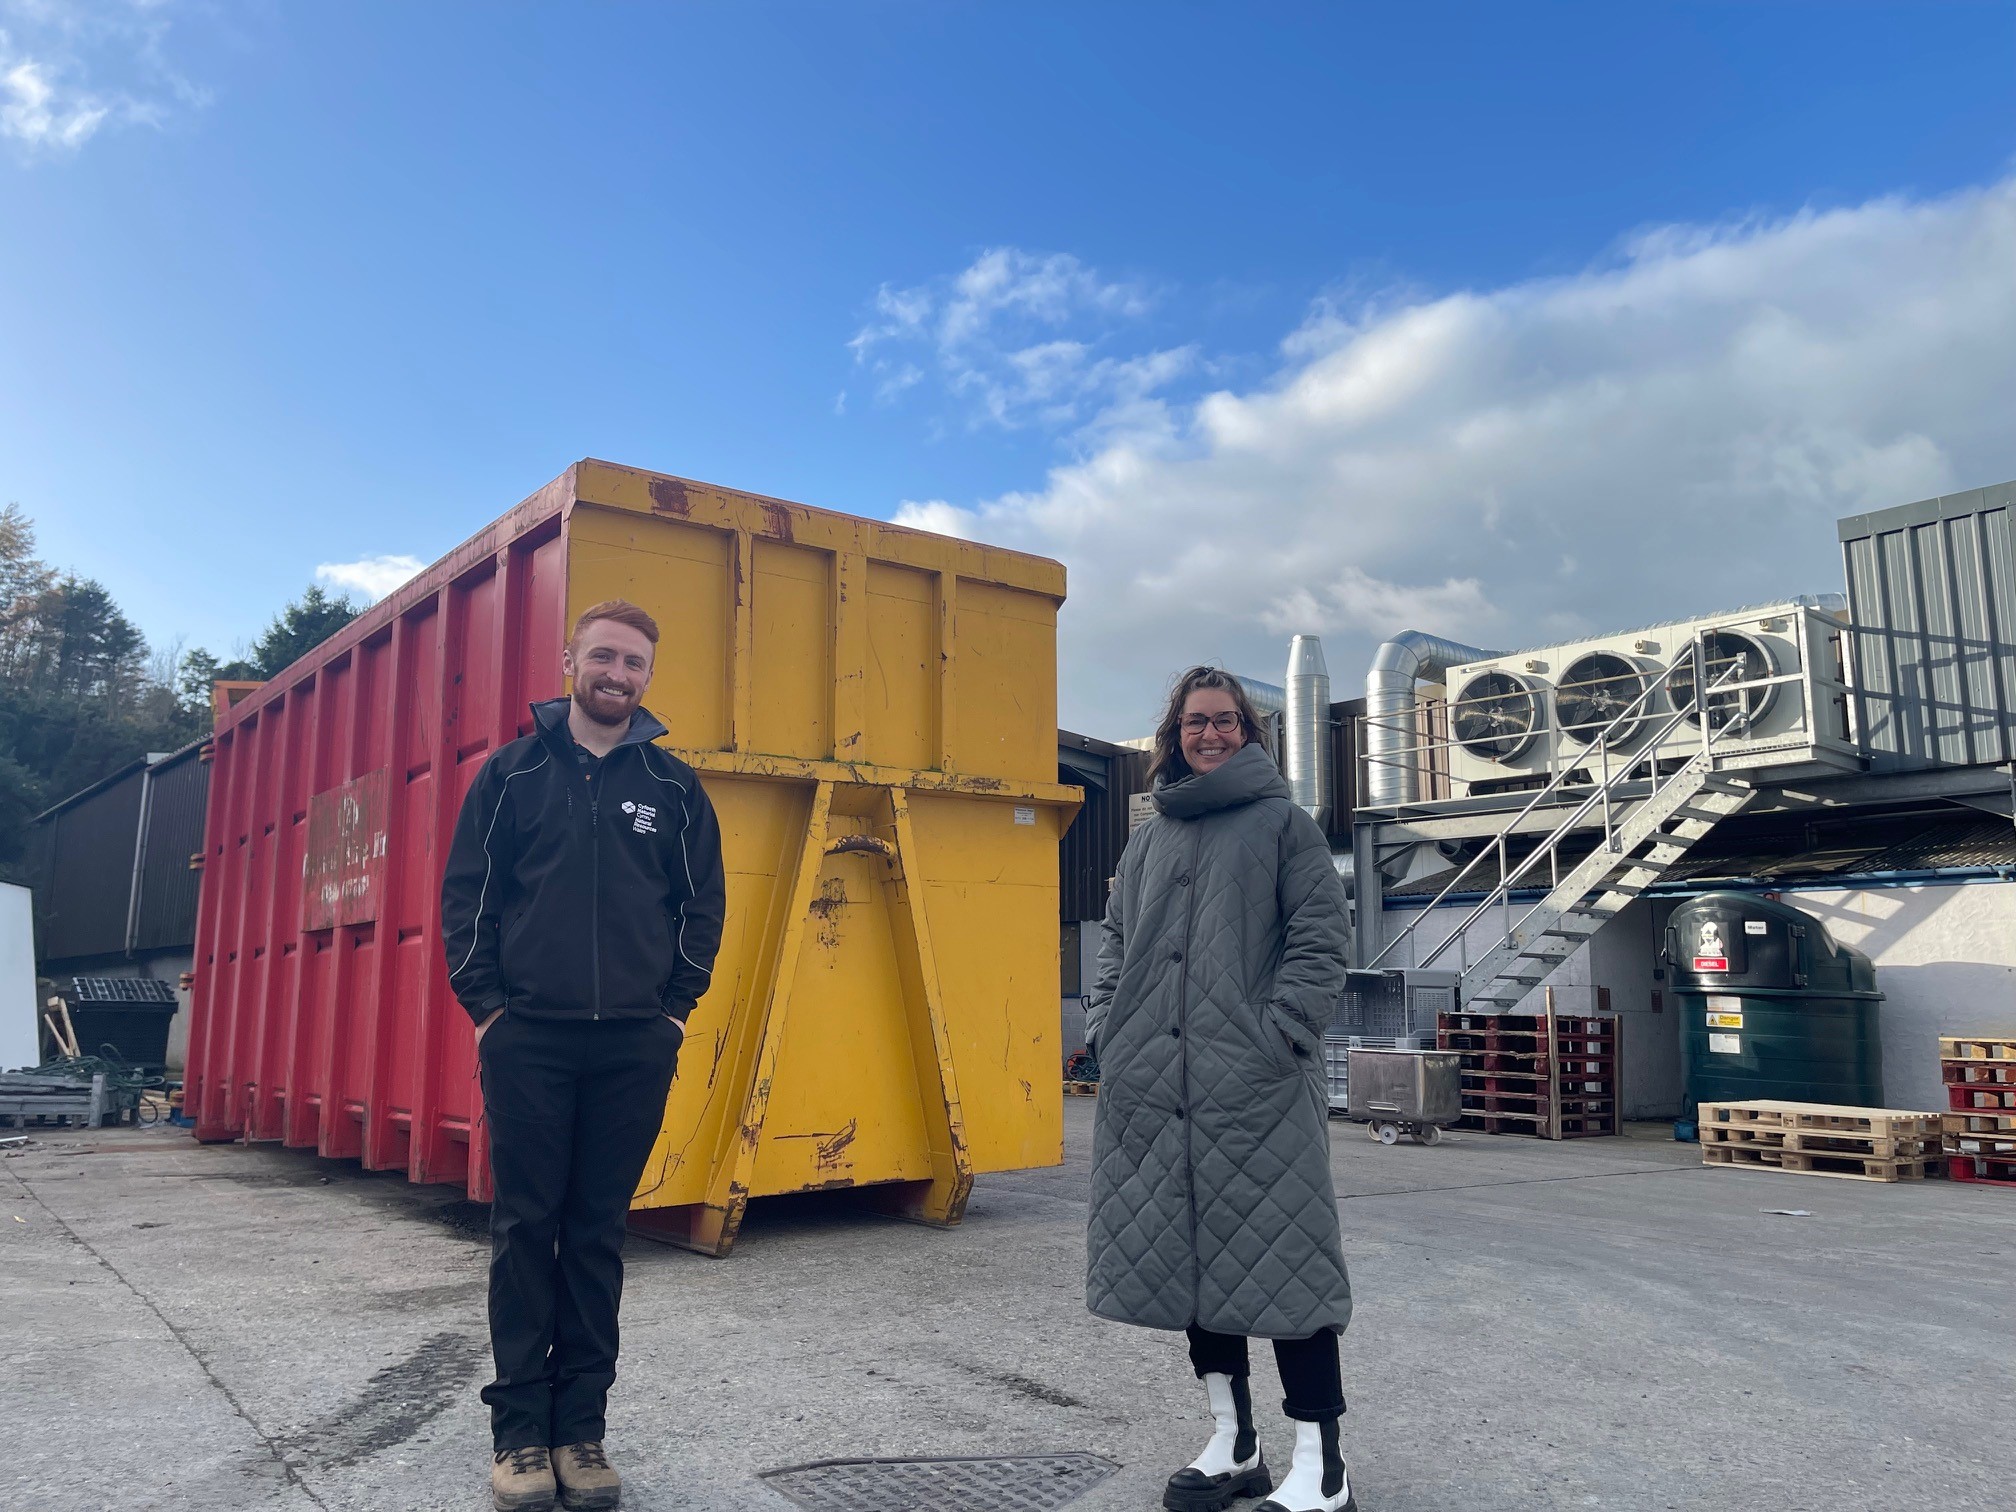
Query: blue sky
{"type": "Point", "coordinates": [1502, 321]}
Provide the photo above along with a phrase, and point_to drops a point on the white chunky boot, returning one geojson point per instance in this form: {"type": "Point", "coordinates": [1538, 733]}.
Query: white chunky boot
{"type": "Point", "coordinates": [1231, 1465]}
{"type": "Point", "coordinates": [1317, 1480]}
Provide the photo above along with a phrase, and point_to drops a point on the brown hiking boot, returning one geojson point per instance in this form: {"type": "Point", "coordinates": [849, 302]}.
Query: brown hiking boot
{"type": "Point", "coordinates": [521, 1480]}
{"type": "Point", "coordinates": [587, 1480]}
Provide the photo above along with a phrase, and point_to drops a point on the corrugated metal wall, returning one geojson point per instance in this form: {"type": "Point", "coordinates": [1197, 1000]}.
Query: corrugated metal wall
{"type": "Point", "coordinates": [1090, 849]}
{"type": "Point", "coordinates": [166, 917]}
{"type": "Point", "coordinates": [85, 877]}
{"type": "Point", "coordinates": [84, 904]}
{"type": "Point", "coordinates": [1932, 594]}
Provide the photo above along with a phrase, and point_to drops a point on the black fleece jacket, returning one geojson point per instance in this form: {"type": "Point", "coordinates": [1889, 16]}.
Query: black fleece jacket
{"type": "Point", "coordinates": [583, 895]}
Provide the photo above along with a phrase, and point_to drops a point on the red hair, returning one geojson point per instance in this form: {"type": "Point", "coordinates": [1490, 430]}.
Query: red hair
{"type": "Point", "coordinates": [623, 612]}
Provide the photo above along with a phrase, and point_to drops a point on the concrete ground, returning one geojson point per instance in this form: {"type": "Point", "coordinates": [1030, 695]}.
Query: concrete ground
{"type": "Point", "coordinates": [1602, 1323]}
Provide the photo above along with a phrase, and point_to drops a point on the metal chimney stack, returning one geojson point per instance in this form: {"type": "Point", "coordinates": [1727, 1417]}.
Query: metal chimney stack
{"type": "Point", "coordinates": [1306, 729]}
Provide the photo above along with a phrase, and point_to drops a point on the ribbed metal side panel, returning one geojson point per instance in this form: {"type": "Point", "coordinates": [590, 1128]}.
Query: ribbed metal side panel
{"type": "Point", "coordinates": [1932, 594]}
{"type": "Point", "coordinates": [86, 881]}
{"type": "Point", "coordinates": [167, 914]}
{"type": "Point", "coordinates": [1090, 850]}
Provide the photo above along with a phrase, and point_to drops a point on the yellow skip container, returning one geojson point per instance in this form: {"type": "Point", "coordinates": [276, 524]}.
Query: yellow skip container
{"type": "Point", "coordinates": [873, 711]}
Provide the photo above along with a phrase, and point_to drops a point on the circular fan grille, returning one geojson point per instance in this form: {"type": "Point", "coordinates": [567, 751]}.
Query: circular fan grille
{"type": "Point", "coordinates": [1728, 650]}
{"type": "Point", "coordinates": [1593, 691]}
{"type": "Point", "coordinates": [1495, 716]}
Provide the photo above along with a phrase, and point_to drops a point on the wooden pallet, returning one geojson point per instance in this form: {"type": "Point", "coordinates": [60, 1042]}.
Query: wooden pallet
{"type": "Point", "coordinates": [1966, 1096]}
{"type": "Point", "coordinates": [1822, 1141]}
{"type": "Point", "coordinates": [1081, 1089]}
{"type": "Point", "coordinates": [27, 1098]}
{"type": "Point", "coordinates": [1820, 1118]}
{"type": "Point", "coordinates": [1968, 1048]}
{"type": "Point", "coordinates": [1978, 1073]}
{"type": "Point", "coordinates": [1982, 1170]}
{"type": "Point", "coordinates": [1842, 1166]}
{"type": "Point", "coordinates": [1979, 1133]}
{"type": "Point", "coordinates": [1549, 1074]}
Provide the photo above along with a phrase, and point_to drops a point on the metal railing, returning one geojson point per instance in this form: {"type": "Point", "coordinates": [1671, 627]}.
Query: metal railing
{"type": "Point", "coordinates": [1724, 685]}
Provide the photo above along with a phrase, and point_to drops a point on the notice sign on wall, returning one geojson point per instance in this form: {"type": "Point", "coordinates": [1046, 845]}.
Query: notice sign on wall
{"type": "Point", "coordinates": [343, 866]}
{"type": "Point", "coordinates": [1140, 809]}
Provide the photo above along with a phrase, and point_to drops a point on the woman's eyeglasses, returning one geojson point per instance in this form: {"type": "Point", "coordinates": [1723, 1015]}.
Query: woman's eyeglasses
{"type": "Point", "coordinates": [1224, 723]}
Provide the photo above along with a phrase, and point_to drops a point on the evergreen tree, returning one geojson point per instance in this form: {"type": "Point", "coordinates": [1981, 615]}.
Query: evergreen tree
{"type": "Point", "coordinates": [79, 698]}
{"type": "Point", "coordinates": [300, 628]}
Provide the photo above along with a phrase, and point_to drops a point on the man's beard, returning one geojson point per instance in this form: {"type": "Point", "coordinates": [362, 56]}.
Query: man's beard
{"type": "Point", "coordinates": [581, 702]}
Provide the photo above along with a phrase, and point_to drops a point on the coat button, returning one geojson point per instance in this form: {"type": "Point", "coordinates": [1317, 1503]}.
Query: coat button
{"type": "Point", "coordinates": [1183, 880]}
{"type": "Point", "coordinates": [1175, 955]}
{"type": "Point", "coordinates": [1175, 1034]}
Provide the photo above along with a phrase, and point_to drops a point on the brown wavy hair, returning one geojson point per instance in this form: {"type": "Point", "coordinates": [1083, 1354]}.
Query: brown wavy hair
{"type": "Point", "coordinates": [1168, 764]}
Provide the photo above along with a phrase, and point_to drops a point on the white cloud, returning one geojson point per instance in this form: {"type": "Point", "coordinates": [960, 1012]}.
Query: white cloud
{"type": "Point", "coordinates": [373, 576]}
{"type": "Point", "coordinates": [1015, 339]}
{"type": "Point", "coordinates": [69, 68]}
{"type": "Point", "coordinates": [31, 110]}
{"type": "Point", "coordinates": [1671, 432]}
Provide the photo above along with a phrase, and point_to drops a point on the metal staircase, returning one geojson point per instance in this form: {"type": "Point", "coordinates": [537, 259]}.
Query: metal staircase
{"type": "Point", "coordinates": [1644, 823]}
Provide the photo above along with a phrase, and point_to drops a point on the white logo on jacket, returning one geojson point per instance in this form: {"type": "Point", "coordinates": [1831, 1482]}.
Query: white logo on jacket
{"type": "Point", "coordinates": [644, 818]}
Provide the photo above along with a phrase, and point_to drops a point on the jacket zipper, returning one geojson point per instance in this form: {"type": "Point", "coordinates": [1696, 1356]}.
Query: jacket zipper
{"type": "Point", "coordinates": [595, 886]}
{"type": "Point", "coordinates": [1183, 1070]}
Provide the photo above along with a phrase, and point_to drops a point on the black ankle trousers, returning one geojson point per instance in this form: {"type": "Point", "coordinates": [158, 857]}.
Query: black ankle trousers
{"type": "Point", "coordinates": [1312, 1376]}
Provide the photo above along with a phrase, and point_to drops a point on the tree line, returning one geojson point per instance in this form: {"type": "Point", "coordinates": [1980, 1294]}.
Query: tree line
{"type": "Point", "coordinates": [82, 693]}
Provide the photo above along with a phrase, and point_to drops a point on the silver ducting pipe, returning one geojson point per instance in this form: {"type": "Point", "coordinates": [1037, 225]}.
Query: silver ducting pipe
{"type": "Point", "coordinates": [1306, 728]}
{"type": "Point", "coordinates": [1392, 749]}
{"type": "Point", "coordinates": [1266, 698]}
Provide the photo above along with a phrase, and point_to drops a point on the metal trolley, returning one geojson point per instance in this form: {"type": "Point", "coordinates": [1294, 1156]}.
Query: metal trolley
{"type": "Point", "coordinates": [1416, 1092]}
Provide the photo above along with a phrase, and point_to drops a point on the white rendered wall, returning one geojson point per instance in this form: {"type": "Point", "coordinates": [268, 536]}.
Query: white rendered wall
{"type": "Point", "coordinates": [19, 1044]}
{"type": "Point", "coordinates": [1945, 959]}
{"type": "Point", "coordinates": [1945, 963]}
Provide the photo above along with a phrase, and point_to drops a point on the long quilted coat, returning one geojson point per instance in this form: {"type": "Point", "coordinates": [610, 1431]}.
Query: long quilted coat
{"type": "Point", "coordinates": [1221, 961]}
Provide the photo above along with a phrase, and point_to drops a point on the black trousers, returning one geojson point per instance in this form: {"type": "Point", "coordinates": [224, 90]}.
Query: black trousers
{"type": "Point", "coordinates": [573, 1110]}
{"type": "Point", "coordinates": [1312, 1376]}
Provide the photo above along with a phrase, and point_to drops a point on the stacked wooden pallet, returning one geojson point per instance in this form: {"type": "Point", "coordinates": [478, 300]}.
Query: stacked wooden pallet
{"type": "Point", "coordinates": [1552, 1075]}
{"type": "Point", "coordinates": [1819, 1139]}
{"type": "Point", "coordinates": [48, 1097]}
{"type": "Point", "coordinates": [1980, 1122]}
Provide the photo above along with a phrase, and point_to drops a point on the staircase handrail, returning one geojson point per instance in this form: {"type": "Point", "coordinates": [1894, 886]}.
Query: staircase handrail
{"type": "Point", "coordinates": [1599, 794]}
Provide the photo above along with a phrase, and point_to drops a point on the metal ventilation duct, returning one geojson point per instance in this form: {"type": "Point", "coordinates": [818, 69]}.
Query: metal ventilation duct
{"type": "Point", "coordinates": [1392, 773]}
{"type": "Point", "coordinates": [1266, 698]}
{"type": "Point", "coordinates": [1306, 728]}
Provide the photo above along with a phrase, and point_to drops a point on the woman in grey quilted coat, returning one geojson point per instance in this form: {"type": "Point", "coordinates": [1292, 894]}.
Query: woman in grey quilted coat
{"type": "Point", "coordinates": [1212, 1209]}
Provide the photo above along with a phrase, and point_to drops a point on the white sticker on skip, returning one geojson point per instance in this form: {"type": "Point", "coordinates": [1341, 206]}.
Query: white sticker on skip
{"type": "Point", "coordinates": [1725, 1044]}
{"type": "Point", "coordinates": [1025, 816]}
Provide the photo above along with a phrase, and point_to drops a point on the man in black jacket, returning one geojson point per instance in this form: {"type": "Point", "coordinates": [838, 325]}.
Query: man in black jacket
{"type": "Point", "coordinates": [580, 911]}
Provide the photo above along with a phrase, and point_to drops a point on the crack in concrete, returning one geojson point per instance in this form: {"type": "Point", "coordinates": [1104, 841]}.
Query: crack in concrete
{"type": "Point", "coordinates": [272, 1448]}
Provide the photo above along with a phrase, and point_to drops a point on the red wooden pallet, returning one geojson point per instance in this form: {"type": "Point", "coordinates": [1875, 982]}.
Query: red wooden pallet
{"type": "Point", "coordinates": [1982, 1170]}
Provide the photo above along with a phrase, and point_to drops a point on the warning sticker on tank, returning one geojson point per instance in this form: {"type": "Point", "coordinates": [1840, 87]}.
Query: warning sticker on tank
{"type": "Point", "coordinates": [1711, 963]}
{"type": "Point", "coordinates": [1756, 926]}
{"type": "Point", "coordinates": [1721, 1002]}
{"type": "Point", "coordinates": [1724, 1020]}
{"type": "Point", "coordinates": [1725, 1044]}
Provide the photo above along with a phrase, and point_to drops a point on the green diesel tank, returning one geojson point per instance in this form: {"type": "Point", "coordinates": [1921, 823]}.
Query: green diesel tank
{"type": "Point", "coordinates": [1771, 1006]}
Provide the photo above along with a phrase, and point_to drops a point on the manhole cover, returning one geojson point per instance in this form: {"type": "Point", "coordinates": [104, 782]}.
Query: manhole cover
{"type": "Point", "coordinates": [1006, 1483]}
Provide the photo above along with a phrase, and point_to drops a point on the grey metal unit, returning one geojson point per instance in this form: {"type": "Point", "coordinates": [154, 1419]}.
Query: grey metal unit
{"type": "Point", "coordinates": [1414, 1089]}
{"type": "Point", "coordinates": [1395, 1002]}
{"type": "Point", "coordinates": [1337, 1058]}
{"type": "Point", "coordinates": [1932, 594]}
